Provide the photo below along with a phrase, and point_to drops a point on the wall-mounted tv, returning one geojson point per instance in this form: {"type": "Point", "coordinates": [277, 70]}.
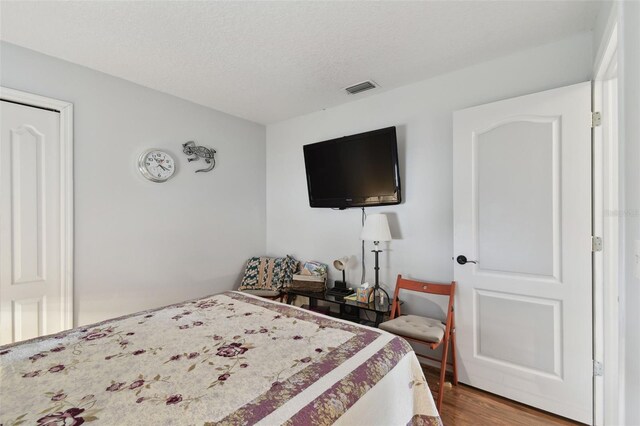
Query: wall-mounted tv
{"type": "Point", "coordinates": [354, 171]}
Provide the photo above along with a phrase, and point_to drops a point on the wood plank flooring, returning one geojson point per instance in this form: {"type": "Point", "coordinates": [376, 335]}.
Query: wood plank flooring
{"type": "Point", "coordinates": [464, 405]}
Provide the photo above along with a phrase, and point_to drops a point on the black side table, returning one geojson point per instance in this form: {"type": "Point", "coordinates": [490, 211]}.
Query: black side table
{"type": "Point", "coordinates": [349, 309]}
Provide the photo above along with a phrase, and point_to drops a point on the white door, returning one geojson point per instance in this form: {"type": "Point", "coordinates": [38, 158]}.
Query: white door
{"type": "Point", "coordinates": [522, 210]}
{"type": "Point", "coordinates": [30, 221]}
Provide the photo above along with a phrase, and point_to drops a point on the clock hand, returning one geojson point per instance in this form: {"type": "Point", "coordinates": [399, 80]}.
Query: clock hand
{"type": "Point", "coordinates": [160, 165]}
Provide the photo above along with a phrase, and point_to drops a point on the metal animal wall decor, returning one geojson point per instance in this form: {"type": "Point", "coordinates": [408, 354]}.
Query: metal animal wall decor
{"type": "Point", "coordinates": [190, 148]}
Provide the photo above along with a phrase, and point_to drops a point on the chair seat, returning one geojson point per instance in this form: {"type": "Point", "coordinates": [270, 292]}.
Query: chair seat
{"type": "Point", "coordinates": [416, 327]}
{"type": "Point", "coordinates": [262, 293]}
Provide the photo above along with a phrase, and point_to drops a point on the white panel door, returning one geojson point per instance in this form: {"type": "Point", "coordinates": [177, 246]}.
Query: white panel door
{"type": "Point", "coordinates": [522, 210]}
{"type": "Point", "coordinates": [30, 240]}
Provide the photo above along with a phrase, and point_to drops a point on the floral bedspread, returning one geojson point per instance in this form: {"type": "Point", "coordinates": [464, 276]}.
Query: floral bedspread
{"type": "Point", "coordinates": [228, 359]}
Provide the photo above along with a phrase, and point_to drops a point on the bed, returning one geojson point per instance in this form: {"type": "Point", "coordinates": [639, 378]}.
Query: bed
{"type": "Point", "coordinates": [227, 359]}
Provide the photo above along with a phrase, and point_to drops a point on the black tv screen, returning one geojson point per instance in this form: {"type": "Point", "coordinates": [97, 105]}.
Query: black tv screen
{"type": "Point", "coordinates": [354, 171]}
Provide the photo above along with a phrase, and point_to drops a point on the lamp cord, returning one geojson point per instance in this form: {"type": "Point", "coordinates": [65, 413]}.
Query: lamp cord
{"type": "Point", "coordinates": [362, 279]}
{"type": "Point", "coordinates": [364, 217]}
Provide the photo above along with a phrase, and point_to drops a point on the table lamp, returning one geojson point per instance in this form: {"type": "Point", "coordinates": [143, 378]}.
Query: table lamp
{"type": "Point", "coordinates": [376, 229]}
{"type": "Point", "coordinates": [341, 265]}
{"type": "Point", "coordinates": [340, 287]}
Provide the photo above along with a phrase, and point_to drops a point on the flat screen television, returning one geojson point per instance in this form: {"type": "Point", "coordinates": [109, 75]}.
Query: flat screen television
{"type": "Point", "coordinates": [354, 171]}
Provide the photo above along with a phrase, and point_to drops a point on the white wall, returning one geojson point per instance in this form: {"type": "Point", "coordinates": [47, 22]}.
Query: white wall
{"type": "Point", "coordinates": [607, 17]}
{"type": "Point", "coordinates": [139, 244]}
{"type": "Point", "coordinates": [422, 224]}
{"type": "Point", "coordinates": [630, 148]}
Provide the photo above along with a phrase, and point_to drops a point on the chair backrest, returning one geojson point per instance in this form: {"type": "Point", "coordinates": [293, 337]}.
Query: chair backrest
{"type": "Point", "coordinates": [422, 287]}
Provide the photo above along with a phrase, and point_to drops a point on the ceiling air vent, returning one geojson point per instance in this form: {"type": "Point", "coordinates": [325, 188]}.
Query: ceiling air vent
{"type": "Point", "coordinates": [360, 87]}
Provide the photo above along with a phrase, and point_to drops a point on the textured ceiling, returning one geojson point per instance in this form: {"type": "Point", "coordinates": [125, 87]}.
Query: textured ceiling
{"type": "Point", "coordinates": [268, 61]}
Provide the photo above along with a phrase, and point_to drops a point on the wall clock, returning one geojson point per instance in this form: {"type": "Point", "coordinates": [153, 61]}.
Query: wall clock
{"type": "Point", "coordinates": [156, 165]}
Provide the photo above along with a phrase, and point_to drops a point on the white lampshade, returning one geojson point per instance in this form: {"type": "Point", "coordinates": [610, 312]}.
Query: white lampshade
{"type": "Point", "coordinates": [376, 228]}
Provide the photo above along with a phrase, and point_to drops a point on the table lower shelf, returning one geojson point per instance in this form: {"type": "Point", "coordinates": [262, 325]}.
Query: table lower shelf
{"type": "Point", "coordinates": [325, 310]}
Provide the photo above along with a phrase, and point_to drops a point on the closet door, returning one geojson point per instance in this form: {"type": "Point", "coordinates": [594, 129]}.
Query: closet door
{"type": "Point", "coordinates": [30, 222]}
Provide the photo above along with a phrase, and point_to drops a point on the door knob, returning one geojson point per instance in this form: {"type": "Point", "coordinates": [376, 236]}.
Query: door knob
{"type": "Point", "coordinates": [462, 259]}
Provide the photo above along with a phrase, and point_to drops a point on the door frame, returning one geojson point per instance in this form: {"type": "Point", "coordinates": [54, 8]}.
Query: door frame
{"type": "Point", "coordinates": [65, 110]}
{"type": "Point", "coordinates": [607, 223]}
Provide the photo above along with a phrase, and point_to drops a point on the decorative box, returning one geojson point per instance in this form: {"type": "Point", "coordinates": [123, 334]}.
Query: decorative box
{"type": "Point", "coordinates": [312, 283]}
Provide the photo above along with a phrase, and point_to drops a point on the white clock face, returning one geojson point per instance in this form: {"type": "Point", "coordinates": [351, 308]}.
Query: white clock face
{"type": "Point", "coordinates": [156, 165]}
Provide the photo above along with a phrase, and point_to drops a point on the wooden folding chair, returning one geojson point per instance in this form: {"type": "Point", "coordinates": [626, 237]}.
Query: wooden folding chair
{"type": "Point", "coordinates": [426, 331]}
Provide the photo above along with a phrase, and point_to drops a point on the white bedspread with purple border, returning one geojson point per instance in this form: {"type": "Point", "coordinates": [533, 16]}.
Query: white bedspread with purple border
{"type": "Point", "coordinates": [228, 359]}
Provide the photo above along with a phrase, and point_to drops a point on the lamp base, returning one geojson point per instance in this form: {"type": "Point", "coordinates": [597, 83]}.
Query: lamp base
{"type": "Point", "coordinates": [340, 284]}
{"type": "Point", "coordinates": [377, 292]}
{"type": "Point", "coordinates": [339, 292]}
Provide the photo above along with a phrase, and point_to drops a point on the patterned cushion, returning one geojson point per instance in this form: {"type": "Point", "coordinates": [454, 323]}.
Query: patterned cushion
{"type": "Point", "coordinates": [268, 273]}
{"type": "Point", "coordinates": [292, 268]}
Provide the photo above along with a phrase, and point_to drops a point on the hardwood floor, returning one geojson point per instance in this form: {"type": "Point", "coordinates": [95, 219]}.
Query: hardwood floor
{"type": "Point", "coordinates": [464, 405]}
